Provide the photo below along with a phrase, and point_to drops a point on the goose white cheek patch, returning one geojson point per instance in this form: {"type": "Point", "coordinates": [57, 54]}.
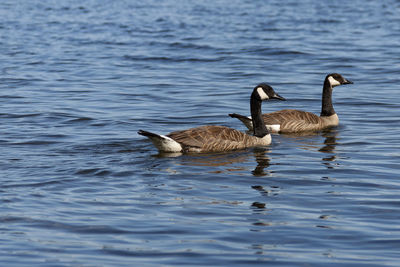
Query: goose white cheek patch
{"type": "Point", "coordinates": [262, 94]}
{"type": "Point", "coordinates": [333, 81]}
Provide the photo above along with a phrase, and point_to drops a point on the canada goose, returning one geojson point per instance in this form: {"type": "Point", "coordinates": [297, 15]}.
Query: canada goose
{"type": "Point", "coordinates": [295, 121]}
{"type": "Point", "coordinates": [212, 138]}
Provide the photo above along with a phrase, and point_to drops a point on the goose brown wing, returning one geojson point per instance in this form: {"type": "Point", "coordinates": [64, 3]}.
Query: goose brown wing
{"type": "Point", "coordinates": [291, 120]}
{"type": "Point", "coordinates": [280, 116]}
{"type": "Point", "coordinates": [210, 138]}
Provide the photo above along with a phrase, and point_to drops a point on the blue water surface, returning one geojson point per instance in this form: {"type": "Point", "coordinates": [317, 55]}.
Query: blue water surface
{"type": "Point", "coordinates": [79, 186]}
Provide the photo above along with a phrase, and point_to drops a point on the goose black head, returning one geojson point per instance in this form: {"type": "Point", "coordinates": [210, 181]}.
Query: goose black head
{"type": "Point", "coordinates": [336, 79]}
{"type": "Point", "coordinates": [264, 92]}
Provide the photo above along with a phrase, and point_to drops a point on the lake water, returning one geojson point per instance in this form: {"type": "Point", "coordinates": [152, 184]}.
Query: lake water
{"type": "Point", "coordinates": [79, 186]}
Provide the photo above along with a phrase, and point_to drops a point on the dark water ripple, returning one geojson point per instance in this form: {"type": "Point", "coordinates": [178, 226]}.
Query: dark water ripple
{"type": "Point", "coordinates": [79, 187]}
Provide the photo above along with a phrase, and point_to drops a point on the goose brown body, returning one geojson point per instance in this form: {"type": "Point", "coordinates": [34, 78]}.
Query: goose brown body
{"type": "Point", "coordinates": [296, 121]}
{"type": "Point", "coordinates": [214, 138]}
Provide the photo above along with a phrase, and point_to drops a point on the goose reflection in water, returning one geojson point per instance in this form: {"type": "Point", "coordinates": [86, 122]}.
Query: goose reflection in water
{"type": "Point", "coordinates": [262, 162]}
{"type": "Point", "coordinates": [310, 141]}
{"type": "Point", "coordinates": [329, 148]}
{"type": "Point", "coordinates": [236, 161]}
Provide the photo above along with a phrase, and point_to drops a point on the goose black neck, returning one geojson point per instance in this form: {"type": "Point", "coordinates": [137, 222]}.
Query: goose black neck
{"type": "Point", "coordinates": [327, 107]}
{"type": "Point", "coordinates": [259, 128]}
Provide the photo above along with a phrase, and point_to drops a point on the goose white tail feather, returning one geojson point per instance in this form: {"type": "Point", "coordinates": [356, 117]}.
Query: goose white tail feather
{"type": "Point", "coordinates": [274, 128]}
{"type": "Point", "coordinates": [161, 142]}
